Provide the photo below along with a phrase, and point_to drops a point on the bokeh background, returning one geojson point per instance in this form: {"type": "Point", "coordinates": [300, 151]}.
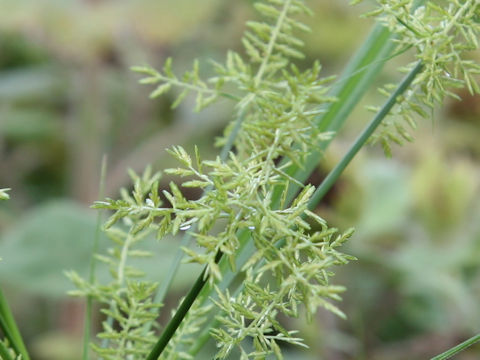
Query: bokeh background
{"type": "Point", "coordinates": [67, 96]}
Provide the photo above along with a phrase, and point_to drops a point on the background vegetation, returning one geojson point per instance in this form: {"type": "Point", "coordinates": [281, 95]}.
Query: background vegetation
{"type": "Point", "coordinates": [67, 96]}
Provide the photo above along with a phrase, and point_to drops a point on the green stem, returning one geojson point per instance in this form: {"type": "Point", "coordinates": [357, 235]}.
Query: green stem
{"type": "Point", "coordinates": [93, 263]}
{"type": "Point", "coordinates": [10, 329]}
{"type": "Point", "coordinates": [455, 350]}
{"type": "Point", "coordinates": [364, 136]}
{"type": "Point", "coordinates": [273, 40]}
{"type": "Point", "coordinates": [182, 311]}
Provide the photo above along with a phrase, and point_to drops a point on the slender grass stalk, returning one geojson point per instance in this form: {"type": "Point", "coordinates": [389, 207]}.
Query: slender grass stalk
{"type": "Point", "coordinates": [7, 333]}
{"type": "Point", "coordinates": [93, 263]}
{"type": "Point", "coordinates": [10, 329]}
{"type": "Point", "coordinates": [363, 137]}
{"type": "Point", "coordinates": [182, 311]}
{"type": "Point", "coordinates": [456, 349]}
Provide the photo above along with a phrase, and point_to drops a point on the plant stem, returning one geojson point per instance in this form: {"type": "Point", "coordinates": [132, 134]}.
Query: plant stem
{"type": "Point", "coordinates": [455, 350]}
{"type": "Point", "coordinates": [93, 263]}
{"type": "Point", "coordinates": [272, 42]}
{"type": "Point", "coordinates": [363, 137]}
{"type": "Point", "coordinates": [10, 329]}
{"type": "Point", "coordinates": [182, 311]}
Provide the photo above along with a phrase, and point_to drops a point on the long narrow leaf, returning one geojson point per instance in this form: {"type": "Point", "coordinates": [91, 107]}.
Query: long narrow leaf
{"type": "Point", "coordinates": [98, 228]}
{"type": "Point", "coordinates": [10, 329]}
{"type": "Point", "coordinates": [456, 349]}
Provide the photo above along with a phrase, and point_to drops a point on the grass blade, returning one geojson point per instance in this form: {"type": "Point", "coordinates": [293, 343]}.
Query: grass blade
{"type": "Point", "coordinates": [363, 137]}
{"type": "Point", "coordinates": [10, 329]}
{"type": "Point", "coordinates": [456, 349]}
{"type": "Point", "coordinates": [89, 304]}
{"type": "Point", "coordinates": [180, 314]}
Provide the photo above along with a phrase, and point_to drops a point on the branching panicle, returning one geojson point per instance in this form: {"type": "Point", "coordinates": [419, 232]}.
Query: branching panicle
{"type": "Point", "coordinates": [443, 34]}
{"type": "Point", "coordinates": [189, 82]}
{"type": "Point", "coordinates": [278, 104]}
{"type": "Point", "coordinates": [128, 302]}
{"type": "Point", "coordinates": [276, 111]}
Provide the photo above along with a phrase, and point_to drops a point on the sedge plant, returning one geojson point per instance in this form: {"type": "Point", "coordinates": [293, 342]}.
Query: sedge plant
{"type": "Point", "coordinates": [265, 253]}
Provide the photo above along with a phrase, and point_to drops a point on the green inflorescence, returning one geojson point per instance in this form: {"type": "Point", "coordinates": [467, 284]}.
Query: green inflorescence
{"type": "Point", "coordinates": [281, 253]}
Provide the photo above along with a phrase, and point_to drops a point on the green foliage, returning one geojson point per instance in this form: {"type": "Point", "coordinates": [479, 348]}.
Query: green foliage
{"type": "Point", "coordinates": [278, 104]}
{"type": "Point", "coordinates": [190, 82]}
{"type": "Point", "coordinates": [301, 268]}
{"type": "Point", "coordinates": [443, 35]}
{"type": "Point", "coordinates": [59, 229]}
{"type": "Point", "coordinates": [11, 346]}
{"type": "Point", "coordinates": [130, 309]}
{"type": "Point", "coordinates": [276, 128]}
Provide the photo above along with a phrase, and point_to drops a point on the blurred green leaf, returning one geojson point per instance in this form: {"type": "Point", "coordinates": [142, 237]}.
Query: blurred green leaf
{"type": "Point", "coordinates": [386, 197]}
{"type": "Point", "coordinates": [26, 83]}
{"type": "Point", "coordinates": [431, 279]}
{"type": "Point", "coordinates": [58, 236]}
{"type": "Point", "coordinates": [24, 125]}
{"type": "Point", "coordinates": [444, 191]}
{"type": "Point", "coordinates": [44, 242]}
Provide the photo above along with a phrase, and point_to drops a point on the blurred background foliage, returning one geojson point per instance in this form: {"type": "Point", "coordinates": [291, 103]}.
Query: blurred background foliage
{"type": "Point", "coordinates": [67, 97]}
